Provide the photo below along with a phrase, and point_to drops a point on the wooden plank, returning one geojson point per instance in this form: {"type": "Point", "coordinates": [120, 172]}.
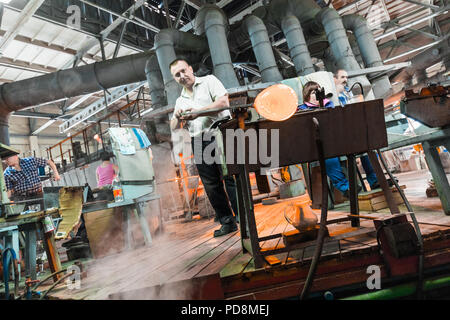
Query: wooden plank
{"type": "Point", "coordinates": [223, 259]}
{"type": "Point", "coordinates": [377, 193]}
{"type": "Point", "coordinates": [199, 263]}
{"type": "Point", "coordinates": [264, 214]}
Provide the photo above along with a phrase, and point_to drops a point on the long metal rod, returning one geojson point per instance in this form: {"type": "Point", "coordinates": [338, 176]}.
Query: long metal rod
{"type": "Point", "coordinates": [387, 34]}
{"type": "Point", "coordinates": [143, 25]}
{"type": "Point", "coordinates": [426, 5]}
{"type": "Point", "coordinates": [412, 51]}
{"type": "Point", "coordinates": [119, 42]}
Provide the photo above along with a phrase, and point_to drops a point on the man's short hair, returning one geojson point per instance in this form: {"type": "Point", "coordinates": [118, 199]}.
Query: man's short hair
{"type": "Point", "coordinates": [337, 71]}
{"type": "Point", "coordinates": [174, 62]}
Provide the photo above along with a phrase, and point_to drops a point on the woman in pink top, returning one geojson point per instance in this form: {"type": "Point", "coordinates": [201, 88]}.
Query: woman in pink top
{"type": "Point", "coordinates": [106, 171]}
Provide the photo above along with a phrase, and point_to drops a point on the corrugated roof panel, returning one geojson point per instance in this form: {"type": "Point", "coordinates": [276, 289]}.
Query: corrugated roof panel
{"type": "Point", "coordinates": [14, 49]}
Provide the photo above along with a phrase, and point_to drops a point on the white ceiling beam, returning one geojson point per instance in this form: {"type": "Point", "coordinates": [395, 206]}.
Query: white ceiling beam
{"type": "Point", "coordinates": [24, 16]}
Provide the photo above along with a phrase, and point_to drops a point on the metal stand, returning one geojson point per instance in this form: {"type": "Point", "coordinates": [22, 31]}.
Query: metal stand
{"type": "Point", "coordinates": [437, 171]}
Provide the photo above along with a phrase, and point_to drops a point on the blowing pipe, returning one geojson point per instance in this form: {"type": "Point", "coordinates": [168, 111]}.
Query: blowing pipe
{"type": "Point", "coordinates": [296, 42]}
{"type": "Point", "coordinates": [211, 21]}
{"type": "Point", "coordinates": [165, 43]}
{"type": "Point", "coordinates": [369, 51]}
{"type": "Point", "coordinates": [262, 48]}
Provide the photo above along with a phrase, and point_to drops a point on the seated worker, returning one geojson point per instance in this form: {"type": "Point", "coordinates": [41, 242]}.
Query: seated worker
{"type": "Point", "coordinates": [340, 79]}
{"type": "Point", "coordinates": [106, 171]}
{"type": "Point", "coordinates": [22, 176]}
{"type": "Point", "coordinates": [333, 165]}
{"type": "Point", "coordinates": [310, 101]}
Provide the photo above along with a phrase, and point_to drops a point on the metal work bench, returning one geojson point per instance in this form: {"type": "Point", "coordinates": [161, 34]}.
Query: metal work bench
{"type": "Point", "coordinates": [431, 109]}
{"type": "Point", "coordinates": [30, 224]}
{"type": "Point", "coordinates": [357, 128]}
{"type": "Point", "coordinates": [129, 206]}
{"type": "Point", "coordinates": [430, 141]}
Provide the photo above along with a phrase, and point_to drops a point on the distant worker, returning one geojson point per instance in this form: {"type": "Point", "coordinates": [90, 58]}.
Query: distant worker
{"type": "Point", "coordinates": [341, 82]}
{"type": "Point", "coordinates": [203, 93]}
{"type": "Point", "coordinates": [106, 171]}
{"type": "Point", "coordinates": [333, 165]}
{"type": "Point", "coordinates": [22, 176]}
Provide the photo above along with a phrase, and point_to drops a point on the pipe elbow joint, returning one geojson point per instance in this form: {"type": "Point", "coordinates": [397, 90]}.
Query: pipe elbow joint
{"type": "Point", "coordinates": [164, 37]}
{"type": "Point", "coordinates": [327, 14]}
{"type": "Point", "coordinates": [214, 17]}
{"type": "Point", "coordinates": [253, 24]}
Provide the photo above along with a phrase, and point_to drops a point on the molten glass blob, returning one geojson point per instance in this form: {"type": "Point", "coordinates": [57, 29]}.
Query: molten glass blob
{"type": "Point", "coordinates": [302, 216]}
{"type": "Point", "coordinates": [277, 102]}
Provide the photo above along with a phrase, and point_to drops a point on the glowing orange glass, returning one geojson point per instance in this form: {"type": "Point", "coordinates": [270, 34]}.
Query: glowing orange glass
{"type": "Point", "coordinates": [277, 102]}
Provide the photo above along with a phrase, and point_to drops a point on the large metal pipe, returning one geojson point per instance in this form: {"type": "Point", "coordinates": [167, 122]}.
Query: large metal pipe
{"type": "Point", "coordinates": [73, 82]}
{"type": "Point", "coordinates": [262, 48]}
{"type": "Point", "coordinates": [340, 46]}
{"type": "Point", "coordinates": [155, 82]}
{"type": "Point", "coordinates": [298, 49]}
{"type": "Point", "coordinates": [69, 83]}
{"type": "Point", "coordinates": [369, 51]}
{"type": "Point", "coordinates": [166, 41]}
{"type": "Point", "coordinates": [212, 21]}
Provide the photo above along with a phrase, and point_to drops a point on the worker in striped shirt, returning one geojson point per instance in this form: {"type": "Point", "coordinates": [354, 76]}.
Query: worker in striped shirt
{"type": "Point", "coordinates": [22, 178]}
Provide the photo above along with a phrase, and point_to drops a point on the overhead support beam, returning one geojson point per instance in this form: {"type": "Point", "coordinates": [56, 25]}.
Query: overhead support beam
{"type": "Point", "coordinates": [413, 23]}
{"type": "Point", "coordinates": [196, 4]}
{"type": "Point", "coordinates": [402, 40]}
{"type": "Point", "coordinates": [23, 18]}
{"type": "Point", "coordinates": [248, 10]}
{"type": "Point", "coordinates": [38, 115]}
{"type": "Point", "coordinates": [57, 117]}
{"type": "Point", "coordinates": [131, 18]}
{"type": "Point", "coordinates": [426, 5]}
{"type": "Point", "coordinates": [104, 33]}
{"type": "Point", "coordinates": [232, 19]}
{"type": "Point", "coordinates": [43, 127]}
{"type": "Point", "coordinates": [384, 68]}
{"type": "Point", "coordinates": [166, 8]}
{"type": "Point", "coordinates": [180, 13]}
{"type": "Point", "coordinates": [413, 51]}
{"type": "Point", "coordinates": [119, 42]}
{"type": "Point", "coordinates": [99, 105]}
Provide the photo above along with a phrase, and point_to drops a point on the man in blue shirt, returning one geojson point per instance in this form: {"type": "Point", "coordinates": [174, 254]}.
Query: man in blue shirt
{"type": "Point", "coordinates": [22, 176]}
{"type": "Point", "coordinates": [341, 82]}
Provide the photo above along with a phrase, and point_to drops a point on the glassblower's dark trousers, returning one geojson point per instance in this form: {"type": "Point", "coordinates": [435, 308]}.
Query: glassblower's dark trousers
{"type": "Point", "coordinates": [214, 184]}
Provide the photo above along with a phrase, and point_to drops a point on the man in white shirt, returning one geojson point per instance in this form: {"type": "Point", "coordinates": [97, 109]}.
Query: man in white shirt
{"type": "Point", "coordinates": [203, 94]}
